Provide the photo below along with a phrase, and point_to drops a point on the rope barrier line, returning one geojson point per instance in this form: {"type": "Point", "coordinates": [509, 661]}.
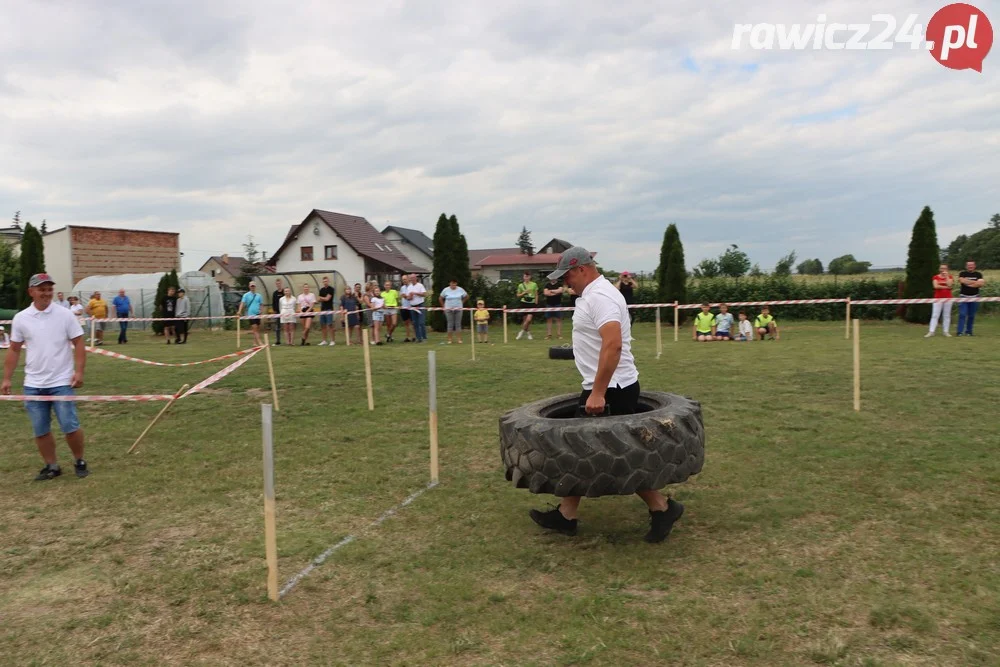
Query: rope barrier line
{"type": "Point", "coordinates": [140, 398]}
{"type": "Point", "coordinates": [316, 562]}
{"type": "Point", "coordinates": [118, 355]}
{"type": "Point", "coordinates": [542, 308]}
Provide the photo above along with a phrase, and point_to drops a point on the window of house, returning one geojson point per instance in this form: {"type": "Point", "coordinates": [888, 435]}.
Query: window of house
{"type": "Point", "coordinates": [307, 253]}
{"type": "Point", "coordinates": [213, 273]}
{"type": "Point", "coordinates": [330, 252]}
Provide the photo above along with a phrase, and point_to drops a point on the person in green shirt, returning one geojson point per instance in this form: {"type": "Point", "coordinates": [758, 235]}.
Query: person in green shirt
{"type": "Point", "coordinates": [527, 296]}
{"type": "Point", "coordinates": [391, 297]}
{"type": "Point", "coordinates": [704, 324]}
{"type": "Point", "coordinates": [765, 325]}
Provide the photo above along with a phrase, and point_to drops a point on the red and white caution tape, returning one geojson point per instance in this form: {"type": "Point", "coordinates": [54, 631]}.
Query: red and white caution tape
{"type": "Point", "coordinates": [221, 374]}
{"type": "Point", "coordinates": [118, 355]}
{"type": "Point", "coordinates": [955, 299]}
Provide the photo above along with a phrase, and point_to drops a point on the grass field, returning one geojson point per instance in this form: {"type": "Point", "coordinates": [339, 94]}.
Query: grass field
{"type": "Point", "coordinates": [814, 535]}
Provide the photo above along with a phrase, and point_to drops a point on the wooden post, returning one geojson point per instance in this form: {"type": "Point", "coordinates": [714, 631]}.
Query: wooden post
{"type": "Point", "coordinates": [157, 418]}
{"type": "Point", "coordinates": [270, 370]}
{"type": "Point", "coordinates": [347, 329]}
{"type": "Point", "coordinates": [505, 325]}
{"type": "Point", "coordinates": [92, 335]}
{"type": "Point", "coordinates": [857, 365]}
{"type": "Point", "coordinates": [270, 532]}
{"type": "Point", "coordinates": [847, 321]}
{"type": "Point", "coordinates": [368, 369]}
{"type": "Point", "coordinates": [676, 319]}
{"type": "Point", "coordinates": [472, 331]}
{"type": "Point", "coordinates": [432, 394]}
{"type": "Point", "coordinates": [659, 335]}
{"type": "Point", "coordinates": [238, 320]}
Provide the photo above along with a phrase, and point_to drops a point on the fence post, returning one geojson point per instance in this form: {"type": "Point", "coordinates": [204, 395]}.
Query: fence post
{"type": "Point", "coordinates": [676, 319]}
{"type": "Point", "coordinates": [847, 321]}
{"type": "Point", "coordinates": [270, 532]}
{"type": "Point", "coordinates": [433, 420]}
{"type": "Point", "coordinates": [659, 336]}
{"type": "Point", "coordinates": [505, 324]}
{"type": "Point", "coordinates": [857, 365]}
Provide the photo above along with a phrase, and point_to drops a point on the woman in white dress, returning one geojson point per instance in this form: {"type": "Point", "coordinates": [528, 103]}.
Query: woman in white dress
{"type": "Point", "coordinates": [286, 307]}
{"type": "Point", "coordinates": [306, 301]}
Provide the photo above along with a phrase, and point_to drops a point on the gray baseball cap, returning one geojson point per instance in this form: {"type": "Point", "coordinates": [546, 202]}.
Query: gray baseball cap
{"type": "Point", "coordinates": [40, 279]}
{"type": "Point", "coordinates": [572, 258]}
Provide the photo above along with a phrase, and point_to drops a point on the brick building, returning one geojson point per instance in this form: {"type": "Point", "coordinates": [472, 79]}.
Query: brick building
{"type": "Point", "coordinates": [75, 252]}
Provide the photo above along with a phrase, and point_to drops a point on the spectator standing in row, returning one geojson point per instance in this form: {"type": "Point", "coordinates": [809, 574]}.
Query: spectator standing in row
{"type": "Point", "coordinates": [286, 307]}
{"type": "Point", "coordinates": [553, 298]}
{"type": "Point", "coordinates": [169, 309]}
{"type": "Point", "coordinates": [4, 338]}
{"type": "Point", "coordinates": [279, 291]}
{"type": "Point", "coordinates": [971, 281]}
{"type": "Point", "coordinates": [183, 312]}
{"type": "Point", "coordinates": [54, 367]}
{"type": "Point", "coordinates": [626, 285]}
{"type": "Point", "coordinates": [724, 323]}
{"type": "Point", "coordinates": [527, 294]}
{"type": "Point", "coordinates": [61, 301]}
{"type": "Point", "coordinates": [76, 308]}
{"type": "Point", "coordinates": [350, 305]}
{"type": "Point", "coordinates": [404, 306]}
{"type": "Point", "coordinates": [251, 304]}
{"type": "Point", "coordinates": [97, 308]}
{"type": "Point", "coordinates": [123, 310]}
{"type": "Point", "coordinates": [391, 298]}
{"type": "Point", "coordinates": [482, 318]}
{"type": "Point", "coordinates": [378, 315]}
{"type": "Point", "coordinates": [942, 283]}
{"type": "Point", "coordinates": [417, 296]}
{"type": "Point", "coordinates": [326, 294]}
{"type": "Point", "coordinates": [452, 299]}
{"type": "Point", "coordinates": [305, 303]}
{"type": "Point", "coordinates": [364, 298]}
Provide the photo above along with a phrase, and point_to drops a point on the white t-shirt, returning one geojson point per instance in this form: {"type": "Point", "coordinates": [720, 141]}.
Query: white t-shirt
{"type": "Point", "coordinates": [599, 304]}
{"type": "Point", "coordinates": [417, 293]}
{"type": "Point", "coordinates": [306, 301]}
{"type": "Point", "coordinates": [46, 335]}
{"type": "Point", "coordinates": [746, 329]}
{"type": "Point", "coordinates": [286, 305]}
{"type": "Point", "coordinates": [377, 302]}
{"type": "Point", "coordinates": [404, 296]}
{"type": "Point", "coordinates": [77, 309]}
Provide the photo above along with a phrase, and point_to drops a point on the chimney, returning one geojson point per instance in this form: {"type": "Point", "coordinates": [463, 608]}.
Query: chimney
{"type": "Point", "coordinates": [225, 258]}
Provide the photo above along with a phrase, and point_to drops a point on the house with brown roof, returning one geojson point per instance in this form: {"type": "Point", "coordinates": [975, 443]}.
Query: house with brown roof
{"type": "Point", "coordinates": [417, 246]}
{"type": "Point", "coordinates": [225, 269]}
{"type": "Point", "coordinates": [328, 241]}
{"type": "Point", "coordinates": [497, 264]}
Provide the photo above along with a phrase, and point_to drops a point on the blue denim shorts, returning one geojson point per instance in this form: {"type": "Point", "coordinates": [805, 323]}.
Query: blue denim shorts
{"type": "Point", "coordinates": [326, 319]}
{"type": "Point", "coordinates": [41, 412]}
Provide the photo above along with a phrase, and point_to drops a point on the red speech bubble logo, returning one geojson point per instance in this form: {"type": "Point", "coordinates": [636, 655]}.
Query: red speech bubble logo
{"type": "Point", "coordinates": [960, 36]}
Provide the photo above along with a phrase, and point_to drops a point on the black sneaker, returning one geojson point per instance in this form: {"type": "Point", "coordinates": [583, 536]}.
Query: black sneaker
{"type": "Point", "coordinates": [661, 523]}
{"type": "Point", "coordinates": [554, 520]}
{"type": "Point", "coordinates": [48, 472]}
{"type": "Point", "coordinates": [81, 468]}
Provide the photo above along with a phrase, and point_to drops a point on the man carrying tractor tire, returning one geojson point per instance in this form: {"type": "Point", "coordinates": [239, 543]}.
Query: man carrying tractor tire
{"type": "Point", "coordinates": [602, 351]}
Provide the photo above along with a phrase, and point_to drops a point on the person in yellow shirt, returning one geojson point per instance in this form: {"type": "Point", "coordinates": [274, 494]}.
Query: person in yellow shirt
{"type": "Point", "coordinates": [766, 325]}
{"type": "Point", "coordinates": [391, 297]}
{"type": "Point", "coordinates": [704, 324]}
{"type": "Point", "coordinates": [98, 309]}
{"type": "Point", "coordinates": [482, 317]}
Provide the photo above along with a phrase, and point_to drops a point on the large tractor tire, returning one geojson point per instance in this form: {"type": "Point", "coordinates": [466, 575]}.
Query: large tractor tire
{"type": "Point", "coordinates": [561, 352]}
{"type": "Point", "coordinates": [546, 448]}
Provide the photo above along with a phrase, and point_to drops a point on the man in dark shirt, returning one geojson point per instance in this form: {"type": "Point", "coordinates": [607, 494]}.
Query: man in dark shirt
{"type": "Point", "coordinates": [326, 294]}
{"type": "Point", "coordinates": [169, 309]}
{"type": "Point", "coordinates": [553, 297]}
{"type": "Point", "coordinates": [968, 303]}
{"type": "Point", "coordinates": [279, 291]}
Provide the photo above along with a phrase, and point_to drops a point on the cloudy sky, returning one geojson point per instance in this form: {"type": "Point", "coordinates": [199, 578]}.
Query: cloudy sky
{"type": "Point", "coordinates": [597, 122]}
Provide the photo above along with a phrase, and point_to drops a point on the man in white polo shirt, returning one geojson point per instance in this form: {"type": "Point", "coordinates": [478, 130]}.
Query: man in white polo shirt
{"type": "Point", "coordinates": [602, 350]}
{"type": "Point", "coordinates": [54, 367]}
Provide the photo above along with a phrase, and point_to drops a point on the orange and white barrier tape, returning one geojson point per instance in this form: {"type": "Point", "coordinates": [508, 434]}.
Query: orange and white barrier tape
{"type": "Point", "coordinates": [118, 355]}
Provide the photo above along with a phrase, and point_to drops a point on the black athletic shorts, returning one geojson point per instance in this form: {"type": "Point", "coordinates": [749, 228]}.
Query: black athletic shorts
{"type": "Point", "coordinates": [404, 314]}
{"type": "Point", "coordinates": [621, 400]}
{"type": "Point", "coordinates": [255, 322]}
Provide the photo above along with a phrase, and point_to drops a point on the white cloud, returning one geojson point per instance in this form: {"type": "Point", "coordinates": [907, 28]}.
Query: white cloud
{"type": "Point", "coordinates": [577, 120]}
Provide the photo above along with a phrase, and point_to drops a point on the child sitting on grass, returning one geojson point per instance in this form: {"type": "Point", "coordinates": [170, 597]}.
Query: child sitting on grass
{"type": "Point", "coordinates": [765, 324]}
{"type": "Point", "coordinates": [745, 332]}
{"type": "Point", "coordinates": [482, 318]}
{"type": "Point", "coordinates": [704, 324]}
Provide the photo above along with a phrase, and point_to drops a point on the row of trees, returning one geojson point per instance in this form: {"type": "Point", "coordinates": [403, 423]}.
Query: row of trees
{"type": "Point", "coordinates": [15, 270]}
{"type": "Point", "coordinates": [451, 262]}
{"type": "Point", "coordinates": [983, 247]}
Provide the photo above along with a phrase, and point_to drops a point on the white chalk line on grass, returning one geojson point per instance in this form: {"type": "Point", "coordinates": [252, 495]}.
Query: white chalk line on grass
{"type": "Point", "coordinates": [294, 581]}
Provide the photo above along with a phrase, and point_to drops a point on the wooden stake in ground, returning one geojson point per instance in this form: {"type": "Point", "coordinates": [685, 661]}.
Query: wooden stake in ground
{"type": "Point", "coordinates": [93, 325]}
{"type": "Point", "coordinates": [847, 321]}
{"type": "Point", "coordinates": [433, 421]}
{"type": "Point", "coordinates": [659, 335]}
{"type": "Point", "coordinates": [157, 418]}
{"type": "Point", "coordinates": [368, 369]}
{"type": "Point", "coordinates": [857, 365]}
{"type": "Point", "coordinates": [270, 371]}
{"type": "Point", "coordinates": [676, 319]}
{"type": "Point", "coordinates": [472, 332]}
{"type": "Point", "coordinates": [238, 333]}
{"type": "Point", "coordinates": [347, 329]}
{"type": "Point", "coordinates": [505, 325]}
{"type": "Point", "coordinates": [270, 531]}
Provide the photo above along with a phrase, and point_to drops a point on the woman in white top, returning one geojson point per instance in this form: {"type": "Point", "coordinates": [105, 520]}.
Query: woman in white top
{"type": "Point", "coordinates": [4, 339]}
{"type": "Point", "coordinates": [76, 308]}
{"type": "Point", "coordinates": [286, 307]}
{"type": "Point", "coordinates": [306, 301]}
